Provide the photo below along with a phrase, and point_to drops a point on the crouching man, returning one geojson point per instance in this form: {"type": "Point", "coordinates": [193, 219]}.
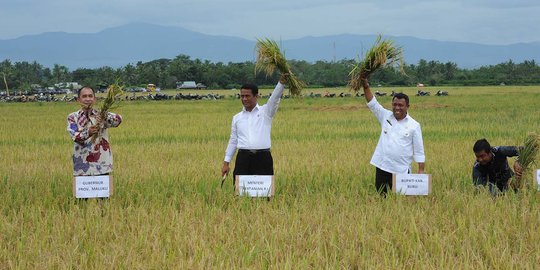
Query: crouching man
{"type": "Point", "coordinates": [491, 167]}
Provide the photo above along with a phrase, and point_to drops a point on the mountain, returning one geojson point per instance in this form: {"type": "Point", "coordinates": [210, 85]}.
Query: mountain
{"type": "Point", "coordinates": [119, 46]}
{"type": "Point", "coordinates": [466, 55]}
{"type": "Point", "coordinates": [130, 43]}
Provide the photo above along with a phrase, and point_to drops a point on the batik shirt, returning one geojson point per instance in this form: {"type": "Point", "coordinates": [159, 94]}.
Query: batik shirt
{"type": "Point", "coordinates": [91, 156]}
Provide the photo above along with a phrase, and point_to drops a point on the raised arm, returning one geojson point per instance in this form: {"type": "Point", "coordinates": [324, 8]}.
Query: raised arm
{"type": "Point", "coordinates": [377, 109]}
{"type": "Point", "coordinates": [274, 99]}
{"type": "Point", "coordinates": [367, 92]}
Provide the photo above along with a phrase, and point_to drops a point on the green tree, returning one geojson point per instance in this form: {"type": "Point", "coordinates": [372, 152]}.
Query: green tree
{"type": "Point", "coordinates": [60, 73]}
{"type": "Point", "coordinates": [7, 74]}
{"type": "Point", "coordinates": [85, 76]}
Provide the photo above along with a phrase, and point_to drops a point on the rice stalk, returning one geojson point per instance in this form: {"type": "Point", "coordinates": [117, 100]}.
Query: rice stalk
{"type": "Point", "coordinates": [527, 158]}
{"type": "Point", "coordinates": [114, 92]}
{"type": "Point", "coordinates": [270, 59]}
{"type": "Point", "coordinates": [383, 53]}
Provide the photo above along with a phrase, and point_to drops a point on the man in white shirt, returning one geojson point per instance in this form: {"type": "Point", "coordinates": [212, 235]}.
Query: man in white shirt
{"type": "Point", "coordinates": [250, 133]}
{"type": "Point", "coordinates": [400, 141]}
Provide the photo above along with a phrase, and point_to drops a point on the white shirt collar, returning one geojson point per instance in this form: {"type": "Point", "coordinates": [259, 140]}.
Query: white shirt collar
{"type": "Point", "coordinates": [407, 117]}
{"type": "Point", "coordinates": [256, 107]}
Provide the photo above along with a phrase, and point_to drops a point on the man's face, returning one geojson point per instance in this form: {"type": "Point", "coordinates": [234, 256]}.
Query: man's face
{"type": "Point", "coordinates": [248, 99]}
{"type": "Point", "coordinates": [86, 98]}
{"type": "Point", "coordinates": [483, 157]}
{"type": "Point", "coordinates": [399, 108]}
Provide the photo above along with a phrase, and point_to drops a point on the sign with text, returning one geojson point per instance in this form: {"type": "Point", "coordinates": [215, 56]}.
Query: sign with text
{"type": "Point", "coordinates": [255, 185]}
{"type": "Point", "coordinates": [99, 186]}
{"type": "Point", "coordinates": [411, 184]}
{"type": "Point", "coordinates": [537, 178]}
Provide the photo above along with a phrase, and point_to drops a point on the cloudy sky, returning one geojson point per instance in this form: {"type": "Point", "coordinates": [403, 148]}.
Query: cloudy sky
{"type": "Point", "coordinates": [479, 21]}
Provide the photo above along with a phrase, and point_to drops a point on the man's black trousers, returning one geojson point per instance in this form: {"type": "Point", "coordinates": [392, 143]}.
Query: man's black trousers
{"type": "Point", "coordinates": [258, 162]}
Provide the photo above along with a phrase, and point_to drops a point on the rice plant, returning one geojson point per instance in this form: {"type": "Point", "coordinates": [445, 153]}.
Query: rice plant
{"type": "Point", "coordinates": [527, 158]}
{"type": "Point", "coordinates": [382, 53]}
{"type": "Point", "coordinates": [169, 212]}
{"type": "Point", "coordinates": [270, 58]}
{"type": "Point", "coordinates": [112, 97]}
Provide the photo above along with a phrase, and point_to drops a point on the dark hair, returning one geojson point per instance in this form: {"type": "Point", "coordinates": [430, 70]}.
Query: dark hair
{"type": "Point", "coordinates": [480, 145]}
{"type": "Point", "coordinates": [80, 89]}
{"type": "Point", "coordinates": [254, 89]}
{"type": "Point", "coordinates": [401, 96]}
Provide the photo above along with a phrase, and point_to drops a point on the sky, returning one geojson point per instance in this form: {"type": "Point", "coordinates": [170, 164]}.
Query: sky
{"type": "Point", "coordinates": [479, 21]}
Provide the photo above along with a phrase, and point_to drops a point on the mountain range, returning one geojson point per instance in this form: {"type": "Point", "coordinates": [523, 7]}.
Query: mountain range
{"type": "Point", "coordinates": [118, 46]}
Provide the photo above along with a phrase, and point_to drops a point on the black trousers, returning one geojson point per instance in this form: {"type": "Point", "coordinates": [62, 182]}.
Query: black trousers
{"type": "Point", "coordinates": [383, 181]}
{"type": "Point", "coordinates": [253, 163]}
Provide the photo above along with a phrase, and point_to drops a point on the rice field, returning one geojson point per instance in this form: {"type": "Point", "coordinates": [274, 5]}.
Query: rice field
{"type": "Point", "coordinates": [168, 210]}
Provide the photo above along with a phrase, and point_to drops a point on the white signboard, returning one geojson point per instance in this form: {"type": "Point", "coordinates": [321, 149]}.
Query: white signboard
{"type": "Point", "coordinates": [537, 177]}
{"type": "Point", "coordinates": [411, 184]}
{"type": "Point", "coordinates": [255, 185]}
{"type": "Point", "coordinates": [99, 186]}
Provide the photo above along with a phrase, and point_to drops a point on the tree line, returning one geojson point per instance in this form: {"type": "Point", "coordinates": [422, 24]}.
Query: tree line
{"type": "Point", "coordinates": [166, 72]}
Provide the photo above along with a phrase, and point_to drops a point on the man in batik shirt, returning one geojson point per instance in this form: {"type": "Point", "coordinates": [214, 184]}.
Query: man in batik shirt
{"type": "Point", "coordinates": [91, 151]}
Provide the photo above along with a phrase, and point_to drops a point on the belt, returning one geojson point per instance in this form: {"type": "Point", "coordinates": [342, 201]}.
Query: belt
{"type": "Point", "coordinates": [254, 151]}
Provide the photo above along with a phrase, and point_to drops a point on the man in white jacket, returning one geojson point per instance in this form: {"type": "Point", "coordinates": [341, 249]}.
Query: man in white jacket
{"type": "Point", "coordinates": [250, 132]}
{"type": "Point", "coordinates": [400, 141]}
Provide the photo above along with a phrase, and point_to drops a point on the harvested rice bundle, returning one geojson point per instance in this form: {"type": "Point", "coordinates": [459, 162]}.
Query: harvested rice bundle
{"type": "Point", "coordinates": [383, 53]}
{"type": "Point", "coordinates": [270, 58]}
{"type": "Point", "coordinates": [114, 92]}
{"type": "Point", "coordinates": [527, 158]}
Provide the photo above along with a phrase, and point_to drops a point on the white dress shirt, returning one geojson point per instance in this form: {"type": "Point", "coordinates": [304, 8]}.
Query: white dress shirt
{"type": "Point", "coordinates": [400, 141]}
{"type": "Point", "coordinates": [251, 130]}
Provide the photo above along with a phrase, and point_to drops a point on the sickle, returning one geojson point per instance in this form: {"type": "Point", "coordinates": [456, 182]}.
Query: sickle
{"type": "Point", "coordinates": [223, 180]}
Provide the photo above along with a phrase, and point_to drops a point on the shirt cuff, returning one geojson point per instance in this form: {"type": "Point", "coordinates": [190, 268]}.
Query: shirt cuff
{"type": "Point", "coordinates": [419, 159]}
{"type": "Point", "coordinates": [227, 158]}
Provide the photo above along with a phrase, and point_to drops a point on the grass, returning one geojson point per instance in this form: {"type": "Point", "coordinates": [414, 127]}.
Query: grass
{"type": "Point", "coordinates": [169, 212]}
